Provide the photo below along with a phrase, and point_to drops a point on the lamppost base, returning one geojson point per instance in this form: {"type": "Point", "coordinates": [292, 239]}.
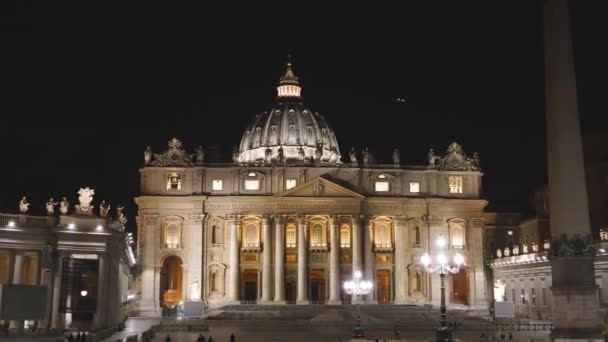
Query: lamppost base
{"type": "Point", "coordinates": [443, 334]}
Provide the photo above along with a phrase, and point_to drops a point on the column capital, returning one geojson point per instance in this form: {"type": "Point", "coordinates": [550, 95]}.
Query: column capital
{"type": "Point", "coordinates": [400, 220]}
{"type": "Point", "coordinates": [233, 217]}
{"type": "Point", "coordinates": [279, 219]}
{"type": "Point", "coordinates": [266, 219]}
{"type": "Point", "coordinates": [333, 219]}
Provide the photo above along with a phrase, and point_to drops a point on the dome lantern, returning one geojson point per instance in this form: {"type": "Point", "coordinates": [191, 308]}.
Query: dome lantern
{"type": "Point", "coordinates": [289, 85]}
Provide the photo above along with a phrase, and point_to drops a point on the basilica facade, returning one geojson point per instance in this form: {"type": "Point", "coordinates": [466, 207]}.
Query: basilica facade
{"type": "Point", "coordinates": [291, 219]}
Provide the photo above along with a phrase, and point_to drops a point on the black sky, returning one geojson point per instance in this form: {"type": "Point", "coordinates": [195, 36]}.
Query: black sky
{"type": "Point", "coordinates": [86, 88]}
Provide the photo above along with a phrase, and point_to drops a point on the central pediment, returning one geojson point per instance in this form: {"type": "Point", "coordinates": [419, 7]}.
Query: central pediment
{"type": "Point", "coordinates": [320, 187]}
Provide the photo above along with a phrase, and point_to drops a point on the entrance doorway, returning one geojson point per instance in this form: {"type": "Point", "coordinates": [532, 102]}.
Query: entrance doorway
{"type": "Point", "coordinates": [171, 277]}
{"type": "Point", "coordinates": [460, 288]}
{"type": "Point", "coordinates": [250, 285]}
{"type": "Point", "coordinates": [290, 291]}
{"type": "Point", "coordinates": [317, 286]}
{"type": "Point", "coordinates": [383, 286]}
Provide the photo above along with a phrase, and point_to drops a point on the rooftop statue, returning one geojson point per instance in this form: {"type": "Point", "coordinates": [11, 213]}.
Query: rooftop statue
{"type": "Point", "coordinates": [200, 155]}
{"type": "Point", "coordinates": [353, 156]}
{"type": "Point", "coordinates": [280, 155]}
{"type": "Point", "coordinates": [396, 157]}
{"type": "Point", "coordinates": [433, 158]}
{"type": "Point", "coordinates": [235, 155]}
{"type": "Point", "coordinates": [319, 152]}
{"type": "Point", "coordinates": [175, 155]}
{"type": "Point", "coordinates": [301, 154]}
{"type": "Point", "coordinates": [367, 156]}
{"type": "Point", "coordinates": [85, 199]}
{"type": "Point", "coordinates": [50, 207]}
{"type": "Point", "coordinates": [23, 205]}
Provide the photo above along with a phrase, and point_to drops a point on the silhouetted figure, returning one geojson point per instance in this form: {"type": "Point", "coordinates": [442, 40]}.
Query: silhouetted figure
{"type": "Point", "coordinates": [69, 337]}
{"type": "Point", "coordinates": [168, 339]}
{"type": "Point", "coordinates": [510, 336]}
{"type": "Point", "coordinates": [502, 336]}
{"type": "Point", "coordinates": [232, 338]}
{"type": "Point", "coordinates": [200, 338]}
{"type": "Point", "coordinates": [397, 333]}
{"type": "Point", "coordinates": [79, 337]}
{"type": "Point", "coordinates": [84, 337]}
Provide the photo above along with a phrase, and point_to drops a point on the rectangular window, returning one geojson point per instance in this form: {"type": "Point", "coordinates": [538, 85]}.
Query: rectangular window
{"type": "Point", "coordinates": [345, 258]}
{"type": "Point", "coordinates": [533, 296]}
{"type": "Point", "coordinates": [382, 258]}
{"type": "Point", "coordinates": [251, 257]}
{"type": "Point", "coordinates": [174, 181]}
{"type": "Point", "coordinates": [414, 187]}
{"type": "Point", "coordinates": [455, 183]}
{"type": "Point", "coordinates": [291, 258]}
{"type": "Point", "coordinates": [218, 185]}
{"type": "Point", "coordinates": [290, 183]}
{"type": "Point", "coordinates": [381, 186]}
{"type": "Point", "coordinates": [252, 184]}
{"type": "Point", "coordinates": [546, 301]}
{"type": "Point", "coordinates": [524, 299]}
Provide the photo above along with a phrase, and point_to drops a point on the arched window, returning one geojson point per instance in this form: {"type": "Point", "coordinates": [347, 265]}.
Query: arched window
{"type": "Point", "coordinates": [344, 236]}
{"type": "Point", "coordinates": [317, 236]}
{"type": "Point", "coordinates": [172, 236]}
{"type": "Point", "coordinates": [216, 237]}
{"type": "Point", "coordinates": [415, 236]}
{"type": "Point", "coordinates": [252, 236]}
{"type": "Point", "coordinates": [383, 236]}
{"type": "Point", "coordinates": [290, 236]}
{"type": "Point", "coordinates": [457, 236]}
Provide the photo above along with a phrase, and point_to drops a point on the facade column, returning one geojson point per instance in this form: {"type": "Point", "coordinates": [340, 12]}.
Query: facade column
{"type": "Point", "coordinates": [16, 327]}
{"type": "Point", "coordinates": [369, 258]}
{"type": "Point", "coordinates": [233, 289]}
{"type": "Point", "coordinates": [334, 262]}
{"type": "Point", "coordinates": [400, 260]}
{"type": "Point", "coordinates": [100, 319]}
{"type": "Point", "coordinates": [279, 263]}
{"type": "Point", "coordinates": [266, 260]}
{"type": "Point", "coordinates": [56, 316]}
{"type": "Point", "coordinates": [302, 297]}
{"type": "Point", "coordinates": [575, 305]}
{"type": "Point", "coordinates": [356, 251]}
{"type": "Point", "coordinates": [46, 280]}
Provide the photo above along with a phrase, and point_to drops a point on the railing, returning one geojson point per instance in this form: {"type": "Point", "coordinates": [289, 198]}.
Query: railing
{"type": "Point", "coordinates": [38, 220]}
{"type": "Point", "coordinates": [6, 218]}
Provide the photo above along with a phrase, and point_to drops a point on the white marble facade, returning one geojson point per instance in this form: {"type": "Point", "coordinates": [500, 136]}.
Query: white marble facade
{"type": "Point", "coordinates": [288, 221]}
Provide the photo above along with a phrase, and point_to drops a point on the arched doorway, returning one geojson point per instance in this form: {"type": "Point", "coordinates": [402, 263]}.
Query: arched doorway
{"type": "Point", "coordinates": [383, 287]}
{"type": "Point", "coordinates": [250, 285]}
{"type": "Point", "coordinates": [460, 288]}
{"type": "Point", "coordinates": [171, 277]}
{"type": "Point", "coordinates": [317, 286]}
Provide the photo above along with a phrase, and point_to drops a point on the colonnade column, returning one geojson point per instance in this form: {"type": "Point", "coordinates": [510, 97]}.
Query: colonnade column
{"type": "Point", "coordinates": [279, 262]}
{"type": "Point", "coordinates": [16, 327]}
{"type": "Point", "coordinates": [266, 264]}
{"type": "Point", "coordinates": [369, 257]}
{"type": "Point", "coordinates": [233, 289]}
{"type": "Point", "coordinates": [100, 319]}
{"type": "Point", "coordinates": [302, 297]}
{"type": "Point", "coordinates": [334, 262]}
{"type": "Point", "coordinates": [56, 317]}
{"type": "Point", "coordinates": [400, 260]}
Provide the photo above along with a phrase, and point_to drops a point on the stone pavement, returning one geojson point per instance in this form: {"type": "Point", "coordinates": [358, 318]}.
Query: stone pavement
{"type": "Point", "coordinates": [134, 325]}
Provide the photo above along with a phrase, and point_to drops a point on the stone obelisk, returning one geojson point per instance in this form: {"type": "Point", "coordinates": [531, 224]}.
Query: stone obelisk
{"type": "Point", "coordinates": [575, 304]}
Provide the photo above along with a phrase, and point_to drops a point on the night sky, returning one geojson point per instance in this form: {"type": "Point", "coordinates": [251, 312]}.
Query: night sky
{"type": "Point", "coordinates": [86, 89]}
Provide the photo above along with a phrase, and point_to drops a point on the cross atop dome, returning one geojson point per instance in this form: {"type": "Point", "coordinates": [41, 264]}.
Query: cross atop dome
{"type": "Point", "coordinates": [289, 86]}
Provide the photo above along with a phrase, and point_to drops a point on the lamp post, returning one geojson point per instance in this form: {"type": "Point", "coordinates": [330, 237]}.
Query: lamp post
{"type": "Point", "coordinates": [442, 267]}
{"type": "Point", "coordinates": [358, 287]}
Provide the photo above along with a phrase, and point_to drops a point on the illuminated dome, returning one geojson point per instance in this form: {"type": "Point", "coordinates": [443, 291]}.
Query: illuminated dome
{"type": "Point", "coordinates": [289, 132]}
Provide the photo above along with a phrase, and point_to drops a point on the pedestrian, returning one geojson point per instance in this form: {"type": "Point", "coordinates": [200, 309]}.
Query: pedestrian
{"type": "Point", "coordinates": [510, 336]}
{"type": "Point", "coordinates": [168, 339]}
{"type": "Point", "coordinates": [397, 333]}
{"type": "Point", "coordinates": [502, 336]}
{"type": "Point", "coordinates": [84, 337]}
{"type": "Point", "coordinates": [200, 338]}
{"type": "Point", "coordinates": [232, 338]}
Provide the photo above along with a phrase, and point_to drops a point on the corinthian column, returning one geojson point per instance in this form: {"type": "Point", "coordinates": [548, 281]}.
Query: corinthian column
{"type": "Point", "coordinates": [233, 288]}
{"type": "Point", "coordinates": [356, 251]}
{"type": "Point", "coordinates": [334, 263]}
{"type": "Point", "coordinates": [302, 263]}
{"type": "Point", "coordinates": [400, 260]}
{"type": "Point", "coordinates": [266, 264]}
{"type": "Point", "coordinates": [369, 258]}
{"type": "Point", "coordinates": [279, 263]}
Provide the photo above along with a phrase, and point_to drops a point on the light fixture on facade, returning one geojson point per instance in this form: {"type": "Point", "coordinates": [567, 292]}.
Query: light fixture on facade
{"type": "Point", "coordinates": [99, 227]}
{"type": "Point", "coordinates": [131, 296]}
{"type": "Point", "coordinates": [11, 223]}
{"type": "Point", "coordinates": [71, 226]}
{"type": "Point", "coordinates": [510, 232]}
{"type": "Point", "coordinates": [84, 293]}
{"type": "Point", "coordinates": [251, 174]}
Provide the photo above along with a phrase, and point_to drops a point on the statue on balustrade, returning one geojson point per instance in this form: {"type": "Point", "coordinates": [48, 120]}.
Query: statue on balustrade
{"type": "Point", "coordinates": [200, 155]}
{"type": "Point", "coordinates": [301, 154]}
{"type": "Point", "coordinates": [23, 205]}
{"type": "Point", "coordinates": [85, 199]}
{"type": "Point", "coordinates": [319, 152]}
{"type": "Point", "coordinates": [235, 155]}
{"type": "Point", "coordinates": [280, 155]}
{"type": "Point", "coordinates": [120, 215]}
{"type": "Point", "coordinates": [507, 252]}
{"type": "Point", "coordinates": [433, 159]}
{"type": "Point", "coordinates": [367, 156]}
{"type": "Point", "coordinates": [104, 209]}
{"type": "Point", "coordinates": [50, 207]}
{"type": "Point", "coordinates": [499, 253]}
{"type": "Point", "coordinates": [63, 206]}
{"type": "Point", "coordinates": [147, 155]}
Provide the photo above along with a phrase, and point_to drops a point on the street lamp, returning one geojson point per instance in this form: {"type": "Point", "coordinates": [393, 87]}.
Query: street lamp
{"type": "Point", "coordinates": [358, 287]}
{"type": "Point", "coordinates": [443, 333]}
